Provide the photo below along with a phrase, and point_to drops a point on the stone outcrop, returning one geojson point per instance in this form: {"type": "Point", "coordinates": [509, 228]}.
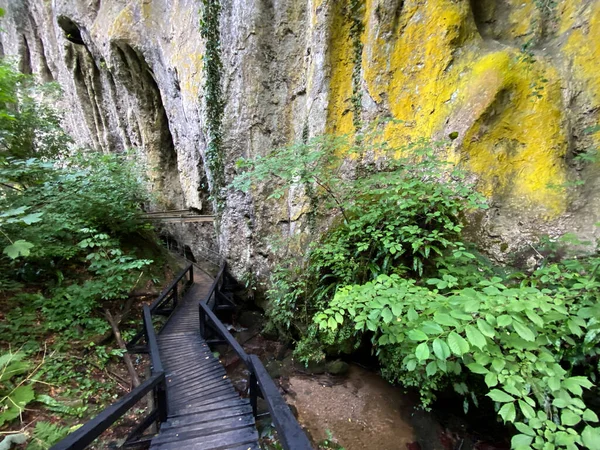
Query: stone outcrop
{"type": "Point", "coordinates": [516, 79]}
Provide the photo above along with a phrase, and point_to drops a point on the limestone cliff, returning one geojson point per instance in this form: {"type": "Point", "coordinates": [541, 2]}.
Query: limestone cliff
{"type": "Point", "coordinates": [516, 79]}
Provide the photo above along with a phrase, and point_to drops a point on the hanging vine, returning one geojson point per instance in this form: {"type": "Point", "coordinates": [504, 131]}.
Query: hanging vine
{"type": "Point", "coordinates": [209, 30]}
{"type": "Point", "coordinates": [355, 14]}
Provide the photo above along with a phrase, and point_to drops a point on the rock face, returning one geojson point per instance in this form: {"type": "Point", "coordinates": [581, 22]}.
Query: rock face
{"type": "Point", "coordinates": [516, 79]}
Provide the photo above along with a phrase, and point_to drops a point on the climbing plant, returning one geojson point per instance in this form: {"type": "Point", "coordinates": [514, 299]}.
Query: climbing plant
{"type": "Point", "coordinates": [209, 30]}
{"type": "Point", "coordinates": [355, 11]}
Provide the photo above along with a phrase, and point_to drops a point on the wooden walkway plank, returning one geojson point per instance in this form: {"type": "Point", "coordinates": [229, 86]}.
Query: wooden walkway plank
{"type": "Point", "coordinates": [204, 410]}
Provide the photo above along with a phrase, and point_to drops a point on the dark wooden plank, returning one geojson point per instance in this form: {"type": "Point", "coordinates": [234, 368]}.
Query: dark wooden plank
{"type": "Point", "coordinates": [205, 428]}
{"type": "Point", "coordinates": [204, 383]}
{"type": "Point", "coordinates": [223, 404]}
{"type": "Point", "coordinates": [222, 440]}
{"type": "Point", "coordinates": [186, 396]}
{"type": "Point", "coordinates": [208, 416]}
{"type": "Point", "coordinates": [197, 406]}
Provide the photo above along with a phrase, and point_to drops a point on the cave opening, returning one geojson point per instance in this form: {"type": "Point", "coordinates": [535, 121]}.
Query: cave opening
{"type": "Point", "coordinates": [71, 30]}
{"type": "Point", "coordinates": [151, 123]}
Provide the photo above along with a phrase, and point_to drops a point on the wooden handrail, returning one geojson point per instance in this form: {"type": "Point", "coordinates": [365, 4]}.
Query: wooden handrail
{"type": "Point", "coordinates": [152, 342]}
{"type": "Point", "coordinates": [164, 296]}
{"type": "Point", "coordinates": [166, 291]}
{"type": "Point", "coordinates": [85, 435]}
{"type": "Point", "coordinates": [289, 431]}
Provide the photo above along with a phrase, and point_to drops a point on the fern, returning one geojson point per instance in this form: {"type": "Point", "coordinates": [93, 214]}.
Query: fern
{"type": "Point", "coordinates": [46, 434]}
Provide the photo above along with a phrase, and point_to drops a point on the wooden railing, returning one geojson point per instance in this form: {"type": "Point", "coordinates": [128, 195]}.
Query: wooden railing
{"type": "Point", "coordinates": [163, 305]}
{"type": "Point", "coordinates": [166, 302]}
{"type": "Point", "coordinates": [290, 434]}
{"type": "Point", "coordinates": [89, 431]}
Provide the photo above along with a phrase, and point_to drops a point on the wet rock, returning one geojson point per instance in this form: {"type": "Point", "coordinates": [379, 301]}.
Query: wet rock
{"type": "Point", "coordinates": [274, 368]}
{"type": "Point", "coordinates": [250, 319]}
{"type": "Point", "coordinates": [337, 367]}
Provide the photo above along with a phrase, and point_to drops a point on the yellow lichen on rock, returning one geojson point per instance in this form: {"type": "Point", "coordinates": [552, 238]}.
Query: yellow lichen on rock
{"type": "Point", "coordinates": [339, 113]}
{"type": "Point", "coordinates": [423, 67]}
{"type": "Point", "coordinates": [122, 26]}
{"type": "Point", "coordinates": [518, 144]}
{"type": "Point", "coordinates": [584, 46]}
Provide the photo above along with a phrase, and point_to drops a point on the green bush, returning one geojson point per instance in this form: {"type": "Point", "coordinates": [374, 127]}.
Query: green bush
{"type": "Point", "coordinates": [392, 269]}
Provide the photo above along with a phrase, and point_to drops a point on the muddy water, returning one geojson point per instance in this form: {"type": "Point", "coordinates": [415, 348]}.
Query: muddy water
{"type": "Point", "coordinates": [360, 410]}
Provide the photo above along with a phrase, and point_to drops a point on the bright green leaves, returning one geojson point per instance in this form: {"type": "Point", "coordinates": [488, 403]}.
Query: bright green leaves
{"type": "Point", "coordinates": [569, 418]}
{"type": "Point", "coordinates": [417, 335]}
{"type": "Point", "coordinates": [485, 328]}
{"type": "Point", "coordinates": [422, 351]}
{"type": "Point", "coordinates": [524, 331]}
{"type": "Point", "coordinates": [14, 403]}
{"type": "Point", "coordinates": [504, 320]}
{"type": "Point", "coordinates": [457, 344]}
{"type": "Point", "coordinates": [591, 438]}
{"type": "Point", "coordinates": [17, 249]}
{"type": "Point", "coordinates": [500, 396]}
{"type": "Point", "coordinates": [507, 412]}
{"type": "Point", "coordinates": [475, 337]}
{"type": "Point", "coordinates": [441, 350]}
{"type": "Point", "coordinates": [16, 389]}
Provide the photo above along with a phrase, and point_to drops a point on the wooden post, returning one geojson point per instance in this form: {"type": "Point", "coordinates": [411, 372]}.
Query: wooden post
{"type": "Point", "coordinates": [150, 402]}
{"type": "Point", "coordinates": [175, 299]}
{"type": "Point", "coordinates": [161, 402]}
{"type": "Point", "coordinates": [191, 274]}
{"type": "Point", "coordinates": [202, 322]}
{"type": "Point", "coordinates": [253, 393]}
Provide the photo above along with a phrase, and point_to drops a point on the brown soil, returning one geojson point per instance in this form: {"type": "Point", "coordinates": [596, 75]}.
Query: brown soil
{"type": "Point", "coordinates": [360, 410]}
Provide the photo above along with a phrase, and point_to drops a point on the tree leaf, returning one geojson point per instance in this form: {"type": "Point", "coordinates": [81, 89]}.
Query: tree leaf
{"type": "Point", "coordinates": [387, 315]}
{"type": "Point", "coordinates": [491, 379]}
{"type": "Point", "coordinates": [504, 320]}
{"type": "Point", "coordinates": [445, 319]}
{"type": "Point", "coordinates": [507, 412]}
{"type": "Point", "coordinates": [457, 344]}
{"type": "Point", "coordinates": [422, 351]}
{"type": "Point", "coordinates": [500, 396]}
{"type": "Point", "coordinates": [485, 328]}
{"type": "Point", "coordinates": [431, 369]}
{"type": "Point", "coordinates": [417, 335]}
{"type": "Point", "coordinates": [569, 418]}
{"type": "Point", "coordinates": [527, 410]}
{"type": "Point", "coordinates": [332, 323]}
{"type": "Point", "coordinates": [524, 331]}
{"type": "Point", "coordinates": [520, 441]}
{"type": "Point", "coordinates": [591, 438]}
{"type": "Point", "coordinates": [525, 429]}
{"type": "Point", "coordinates": [441, 349]}
{"type": "Point", "coordinates": [535, 318]}
{"type": "Point", "coordinates": [590, 416]}
{"type": "Point", "coordinates": [477, 368]}
{"type": "Point", "coordinates": [15, 402]}
{"type": "Point", "coordinates": [475, 337]}
{"type": "Point", "coordinates": [18, 248]}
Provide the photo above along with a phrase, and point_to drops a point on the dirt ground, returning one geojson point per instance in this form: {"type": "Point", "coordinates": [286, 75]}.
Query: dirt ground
{"type": "Point", "coordinates": [360, 410]}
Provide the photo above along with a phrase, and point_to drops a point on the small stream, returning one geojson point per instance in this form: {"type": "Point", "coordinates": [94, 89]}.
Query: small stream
{"type": "Point", "coordinates": [359, 410]}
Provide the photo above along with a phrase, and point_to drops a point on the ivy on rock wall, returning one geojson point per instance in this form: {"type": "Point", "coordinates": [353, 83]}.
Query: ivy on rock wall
{"type": "Point", "coordinates": [209, 30]}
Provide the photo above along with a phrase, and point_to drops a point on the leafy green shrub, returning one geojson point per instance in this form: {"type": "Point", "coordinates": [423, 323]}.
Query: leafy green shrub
{"type": "Point", "coordinates": [400, 211]}
{"type": "Point", "coordinates": [392, 269]}
{"type": "Point", "coordinates": [516, 339]}
{"type": "Point", "coordinates": [16, 385]}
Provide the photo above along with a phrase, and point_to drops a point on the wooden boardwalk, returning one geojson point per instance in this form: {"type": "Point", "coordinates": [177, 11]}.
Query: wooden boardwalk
{"type": "Point", "coordinates": [204, 410]}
